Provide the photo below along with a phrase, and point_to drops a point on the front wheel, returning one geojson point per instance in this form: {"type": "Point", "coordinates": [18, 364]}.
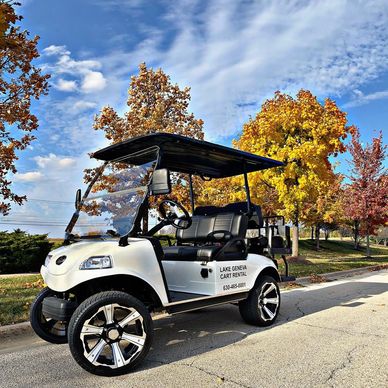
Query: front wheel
{"type": "Point", "coordinates": [110, 333]}
{"type": "Point", "coordinates": [262, 305]}
{"type": "Point", "coordinates": [47, 328]}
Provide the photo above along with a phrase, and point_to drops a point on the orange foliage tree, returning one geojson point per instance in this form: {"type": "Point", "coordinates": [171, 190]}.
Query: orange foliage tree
{"type": "Point", "coordinates": [302, 133]}
{"type": "Point", "coordinates": [20, 82]}
{"type": "Point", "coordinates": [154, 105]}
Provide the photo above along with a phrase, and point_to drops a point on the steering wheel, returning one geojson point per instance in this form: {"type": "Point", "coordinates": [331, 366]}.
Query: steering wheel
{"type": "Point", "coordinates": [171, 217]}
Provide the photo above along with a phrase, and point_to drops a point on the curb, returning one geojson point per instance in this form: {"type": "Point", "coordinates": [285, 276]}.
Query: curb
{"type": "Point", "coordinates": [24, 328]}
{"type": "Point", "coordinates": [331, 276]}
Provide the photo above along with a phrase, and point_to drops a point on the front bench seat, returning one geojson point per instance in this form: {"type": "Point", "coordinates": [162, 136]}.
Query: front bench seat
{"type": "Point", "coordinates": [193, 243]}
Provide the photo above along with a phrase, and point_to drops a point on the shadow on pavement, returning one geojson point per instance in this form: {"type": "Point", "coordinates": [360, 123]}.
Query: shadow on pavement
{"type": "Point", "coordinates": [191, 334]}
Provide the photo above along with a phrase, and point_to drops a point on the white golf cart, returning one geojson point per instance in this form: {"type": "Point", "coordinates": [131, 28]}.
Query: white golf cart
{"type": "Point", "coordinates": [110, 275]}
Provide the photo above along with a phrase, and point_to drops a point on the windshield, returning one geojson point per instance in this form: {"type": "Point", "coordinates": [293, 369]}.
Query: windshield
{"type": "Point", "coordinates": [112, 205]}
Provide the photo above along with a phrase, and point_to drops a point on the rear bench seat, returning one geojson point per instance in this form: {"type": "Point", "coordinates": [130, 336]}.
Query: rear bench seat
{"type": "Point", "coordinates": [194, 243]}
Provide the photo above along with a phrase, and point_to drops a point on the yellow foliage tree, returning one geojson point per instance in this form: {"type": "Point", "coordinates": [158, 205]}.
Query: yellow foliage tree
{"type": "Point", "coordinates": [325, 211]}
{"type": "Point", "coordinates": [154, 105]}
{"type": "Point", "coordinates": [302, 133]}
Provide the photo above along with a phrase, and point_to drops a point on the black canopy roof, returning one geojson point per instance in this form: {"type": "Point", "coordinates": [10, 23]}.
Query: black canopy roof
{"type": "Point", "coordinates": [187, 155]}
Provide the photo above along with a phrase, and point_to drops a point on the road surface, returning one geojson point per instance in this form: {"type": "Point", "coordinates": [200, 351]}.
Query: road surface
{"type": "Point", "coordinates": [328, 335]}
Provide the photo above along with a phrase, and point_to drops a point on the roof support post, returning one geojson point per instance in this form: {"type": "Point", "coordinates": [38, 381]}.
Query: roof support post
{"type": "Point", "coordinates": [191, 193]}
{"type": "Point", "coordinates": [247, 189]}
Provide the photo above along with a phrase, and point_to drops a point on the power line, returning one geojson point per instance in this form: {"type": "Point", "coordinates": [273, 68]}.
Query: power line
{"type": "Point", "coordinates": [30, 224]}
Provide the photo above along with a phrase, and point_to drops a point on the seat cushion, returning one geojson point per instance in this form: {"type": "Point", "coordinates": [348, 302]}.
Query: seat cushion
{"type": "Point", "coordinates": [190, 253]}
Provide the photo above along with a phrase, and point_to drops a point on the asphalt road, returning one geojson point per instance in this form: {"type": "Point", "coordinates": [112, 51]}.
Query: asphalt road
{"type": "Point", "coordinates": [332, 334]}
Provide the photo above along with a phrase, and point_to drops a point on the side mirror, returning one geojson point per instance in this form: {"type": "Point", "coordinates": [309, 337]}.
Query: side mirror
{"type": "Point", "coordinates": [161, 183]}
{"type": "Point", "coordinates": [77, 199]}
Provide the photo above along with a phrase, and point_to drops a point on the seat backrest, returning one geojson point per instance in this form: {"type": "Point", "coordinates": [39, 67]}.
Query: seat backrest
{"type": "Point", "coordinates": [201, 226]}
{"type": "Point", "coordinates": [256, 219]}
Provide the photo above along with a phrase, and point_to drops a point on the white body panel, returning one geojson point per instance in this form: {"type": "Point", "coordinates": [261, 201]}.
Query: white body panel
{"type": "Point", "coordinates": [185, 276]}
{"type": "Point", "coordinates": [136, 259]}
{"type": "Point", "coordinates": [224, 277]}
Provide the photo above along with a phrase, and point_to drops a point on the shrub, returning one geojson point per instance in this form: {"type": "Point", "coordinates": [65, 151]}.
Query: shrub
{"type": "Point", "coordinates": [22, 252]}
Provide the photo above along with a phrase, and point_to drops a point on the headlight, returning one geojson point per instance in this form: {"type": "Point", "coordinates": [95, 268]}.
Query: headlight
{"type": "Point", "coordinates": [47, 261]}
{"type": "Point", "coordinates": [97, 262]}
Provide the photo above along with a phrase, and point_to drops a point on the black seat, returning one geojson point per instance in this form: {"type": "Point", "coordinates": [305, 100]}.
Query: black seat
{"type": "Point", "coordinates": [191, 253]}
{"type": "Point", "coordinates": [195, 244]}
{"type": "Point", "coordinates": [255, 218]}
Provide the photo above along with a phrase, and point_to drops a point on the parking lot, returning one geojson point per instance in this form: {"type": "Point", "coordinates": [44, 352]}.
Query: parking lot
{"type": "Point", "coordinates": [329, 334]}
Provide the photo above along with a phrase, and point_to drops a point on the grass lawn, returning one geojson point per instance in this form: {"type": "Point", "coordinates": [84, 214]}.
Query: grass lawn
{"type": "Point", "coordinates": [17, 292]}
{"type": "Point", "coordinates": [335, 255]}
{"type": "Point", "coordinates": [16, 295]}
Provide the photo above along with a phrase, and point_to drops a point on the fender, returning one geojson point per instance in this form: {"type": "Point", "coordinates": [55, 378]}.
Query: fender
{"type": "Point", "coordinates": [137, 259]}
{"type": "Point", "coordinates": [260, 265]}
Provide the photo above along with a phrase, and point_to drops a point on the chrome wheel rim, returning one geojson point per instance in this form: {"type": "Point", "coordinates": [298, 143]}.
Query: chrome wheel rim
{"type": "Point", "coordinates": [268, 301]}
{"type": "Point", "coordinates": [114, 336]}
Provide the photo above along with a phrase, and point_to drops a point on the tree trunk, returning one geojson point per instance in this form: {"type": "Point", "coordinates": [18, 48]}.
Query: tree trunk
{"type": "Point", "coordinates": [295, 240]}
{"type": "Point", "coordinates": [367, 246]}
{"type": "Point", "coordinates": [327, 233]}
{"type": "Point", "coordinates": [367, 243]}
{"type": "Point", "coordinates": [355, 234]}
{"type": "Point", "coordinates": [312, 233]}
{"type": "Point", "coordinates": [317, 233]}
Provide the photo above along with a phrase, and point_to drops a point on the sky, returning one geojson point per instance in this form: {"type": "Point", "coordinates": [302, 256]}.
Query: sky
{"type": "Point", "coordinates": [234, 54]}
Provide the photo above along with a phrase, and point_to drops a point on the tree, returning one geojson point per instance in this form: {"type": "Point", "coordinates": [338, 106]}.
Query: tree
{"type": "Point", "coordinates": [302, 133]}
{"type": "Point", "coordinates": [20, 82]}
{"type": "Point", "coordinates": [22, 252]}
{"type": "Point", "coordinates": [367, 194]}
{"type": "Point", "coordinates": [154, 105]}
{"type": "Point", "coordinates": [325, 212]}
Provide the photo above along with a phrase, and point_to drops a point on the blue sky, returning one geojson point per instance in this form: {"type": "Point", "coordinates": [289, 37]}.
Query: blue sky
{"type": "Point", "coordinates": [233, 55]}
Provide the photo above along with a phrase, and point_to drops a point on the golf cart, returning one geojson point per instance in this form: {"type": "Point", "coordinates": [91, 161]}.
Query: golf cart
{"type": "Point", "coordinates": [111, 273]}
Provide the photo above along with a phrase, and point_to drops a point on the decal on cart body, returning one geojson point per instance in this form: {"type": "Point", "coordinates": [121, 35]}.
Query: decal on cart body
{"type": "Point", "coordinates": [231, 277]}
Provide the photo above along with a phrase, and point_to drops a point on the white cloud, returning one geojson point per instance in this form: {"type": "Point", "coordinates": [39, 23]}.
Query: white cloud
{"type": "Point", "coordinates": [53, 161]}
{"type": "Point", "coordinates": [67, 65]}
{"type": "Point", "coordinates": [55, 50]}
{"type": "Point", "coordinates": [123, 5]}
{"type": "Point", "coordinates": [66, 85]}
{"type": "Point", "coordinates": [81, 106]}
{"type": "Point", "coordinates": [64, 63]}
{"type": "Point", "coordinates": [32, 176]}
{"type": "Point", "coordinates": [243, 53]}
{"type": "Point", "coordinates": [235, 54]}
{"type": "Point", "coordinates": [359, 98]}
{"type": "Point", "coordinates": [93, 81]}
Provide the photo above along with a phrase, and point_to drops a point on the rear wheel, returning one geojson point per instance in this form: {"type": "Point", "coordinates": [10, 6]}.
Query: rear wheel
{"type": "Point", "coordinates": [261, 308]}
{"type": "Point", "coordinates": [47, 328]}
{"type": "Point", "coordinates": [110, 333]}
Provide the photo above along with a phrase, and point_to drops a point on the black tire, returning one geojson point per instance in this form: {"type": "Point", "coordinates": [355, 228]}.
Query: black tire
{"type": "Point", "coordinates": [47, 329]}
{"type": "Point", "coordinates": [253, 309]}
{"type": "Point", "coordinates": [93, 313]}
